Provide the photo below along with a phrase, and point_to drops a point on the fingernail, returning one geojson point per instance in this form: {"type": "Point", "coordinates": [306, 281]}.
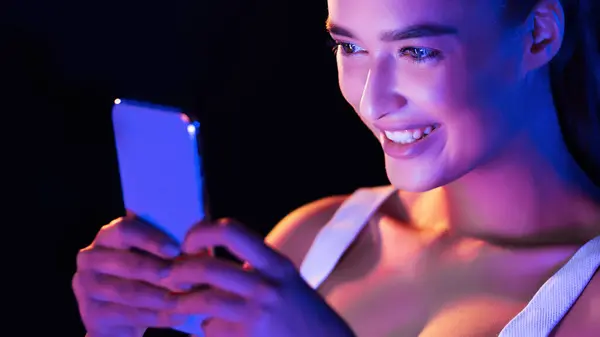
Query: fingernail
{"type": "Point", "coordinates": [171, 250]}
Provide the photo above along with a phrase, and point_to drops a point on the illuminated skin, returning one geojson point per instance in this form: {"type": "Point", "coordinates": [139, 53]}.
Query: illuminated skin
{"type": "Point", "coordinates": [495, 172]}
{"type": "Point", "coordinates": [491, 203]}
{"type": "Point", "coordinates": [498, 144]}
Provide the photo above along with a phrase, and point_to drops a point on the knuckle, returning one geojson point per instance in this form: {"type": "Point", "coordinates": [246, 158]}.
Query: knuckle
{"type": "Point", "coordinates": [76, 284]}
{"type": "Point", "coordinates": [229, 227]}
{"type": "Point", "coordinates": [82, 258]}
{"type": "Point", "coordinates": [223, 222]}
{"type": "Point", "coordinates": [118, 229]}
{"type": "Point", "coordinates": [89, 258]}
{"type": "Point", "coordinates": [226, 232]}
{"type": "Point", "coordinates": [109, 231]}
{"type": "Point", "coordinates": [127, 228]}
{"type": "Point", "coordinates": [109, 228]}
{"type": "Point", "coordinates": [117, 221]}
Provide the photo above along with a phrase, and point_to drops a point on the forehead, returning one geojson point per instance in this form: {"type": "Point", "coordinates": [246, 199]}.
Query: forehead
{"type": "Point", "coordinates": [377, 15]}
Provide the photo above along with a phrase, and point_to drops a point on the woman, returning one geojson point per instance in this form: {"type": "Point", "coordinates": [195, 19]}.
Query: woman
{"type": "Point", "coordinates": [490, 201]}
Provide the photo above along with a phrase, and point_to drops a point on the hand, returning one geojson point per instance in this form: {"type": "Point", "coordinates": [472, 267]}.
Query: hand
{"type": "Point", "coordinates": [118, 278]}
{"type": "Point", "coordinates": [265, 297]}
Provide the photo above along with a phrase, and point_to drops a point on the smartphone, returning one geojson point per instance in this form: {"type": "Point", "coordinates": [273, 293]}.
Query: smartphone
{"type": "Point", "coordinates": [160, 165]}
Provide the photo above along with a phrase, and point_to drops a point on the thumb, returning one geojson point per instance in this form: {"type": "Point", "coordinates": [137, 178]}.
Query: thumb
{"type": "Point", "coordinates": [118, 332]}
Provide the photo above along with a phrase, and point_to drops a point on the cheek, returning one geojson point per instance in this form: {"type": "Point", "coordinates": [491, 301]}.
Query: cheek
{"type": "Point", "coordinates": [352, 78]}
{"type": "Point", "coordinates": [426, 88]}
{"type": "Point", "coordinates": [476, 110]}
{"type": "Point", "coordinates": [453, 92]}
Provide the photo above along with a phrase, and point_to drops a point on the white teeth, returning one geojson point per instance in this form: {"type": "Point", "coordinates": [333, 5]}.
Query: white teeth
{"type": "Point", "coordinates": [408, 136]}
{"type": "Point", "coordinates": [403, 137]}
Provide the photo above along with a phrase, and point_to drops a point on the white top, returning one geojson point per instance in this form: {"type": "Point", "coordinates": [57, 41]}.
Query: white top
{"type": "Point", "coordinates": [541, 315]}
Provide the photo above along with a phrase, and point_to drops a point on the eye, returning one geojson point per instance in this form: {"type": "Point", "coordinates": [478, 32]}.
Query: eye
{"type": "Point", "coordinates": [347, 48]}
{"type": "Point", "coordinates": [419, 54]}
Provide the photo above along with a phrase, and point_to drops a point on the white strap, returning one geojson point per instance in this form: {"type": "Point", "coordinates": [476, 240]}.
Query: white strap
{"type": "Point", "coordinates": [333, 239]}
{"type": "Point", "coordinates": [554, 299]}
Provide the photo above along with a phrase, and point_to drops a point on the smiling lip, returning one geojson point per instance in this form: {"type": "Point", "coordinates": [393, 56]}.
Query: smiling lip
{"type": "Point", "coordinates": [403, 126]}
{"type": "Point", "coordinates": [414, 149]}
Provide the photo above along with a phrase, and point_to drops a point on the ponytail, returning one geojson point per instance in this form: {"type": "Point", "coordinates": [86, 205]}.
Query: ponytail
{"type": "Point", "coordinates": [575, 80]}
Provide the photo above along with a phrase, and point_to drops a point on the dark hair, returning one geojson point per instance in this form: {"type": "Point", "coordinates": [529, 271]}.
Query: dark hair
{"type": "Point", "coordinates": [575, 80]}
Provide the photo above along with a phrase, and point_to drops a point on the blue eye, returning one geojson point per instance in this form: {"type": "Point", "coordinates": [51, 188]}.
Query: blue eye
{"type": "Point", "coordinates": [415, 54]}
{"type": "Point", "coordinates": [418, 54]}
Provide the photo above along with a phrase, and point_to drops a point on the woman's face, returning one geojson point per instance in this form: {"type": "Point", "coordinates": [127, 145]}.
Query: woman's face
{"type": "Point", "coordinates": [439, 82]}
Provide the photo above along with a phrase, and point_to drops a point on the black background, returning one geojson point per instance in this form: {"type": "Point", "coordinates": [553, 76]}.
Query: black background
{"type": "Point", "coordinates": [259, 74]}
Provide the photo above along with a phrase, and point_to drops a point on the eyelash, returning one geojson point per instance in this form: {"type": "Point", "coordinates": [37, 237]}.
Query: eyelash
{"type": "Point", "coordinates": [411, 52]}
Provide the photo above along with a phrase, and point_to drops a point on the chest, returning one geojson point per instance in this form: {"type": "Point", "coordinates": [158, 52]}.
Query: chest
{"type": "Point", "coordinates": [395, 285]}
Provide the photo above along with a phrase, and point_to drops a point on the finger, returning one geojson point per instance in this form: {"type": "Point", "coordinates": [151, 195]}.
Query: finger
{"type": "Point", "coordinates": [121, 331]}
{"type": "Point", "coordinates": [114, 314]}
{"type": "Point", "coordinates": [126, 233]}
{"type": "Point", "coordinates": [242, 243]}
{"type": "Point", "coordinates": [124, 264]}
{"type": "Point", "coordinates": [222, 274]}
{"type": "Point", "coordinates": [221, 328]}
{"type": "Point", "coordinates": [106, 288]}
{"type": "Point", "coordinates": [213, 303]}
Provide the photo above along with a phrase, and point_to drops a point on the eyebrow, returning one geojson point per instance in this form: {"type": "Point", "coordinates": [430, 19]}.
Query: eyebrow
{"type": "Point", "coordinates": [411, 32]}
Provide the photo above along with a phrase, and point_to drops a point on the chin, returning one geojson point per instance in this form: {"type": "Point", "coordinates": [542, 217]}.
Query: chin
{"type": "Point", "coordinates": [416, 175]}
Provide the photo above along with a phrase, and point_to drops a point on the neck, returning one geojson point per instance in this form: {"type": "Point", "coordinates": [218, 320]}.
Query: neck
{"type": "Point", "coordinates": [534, 193]}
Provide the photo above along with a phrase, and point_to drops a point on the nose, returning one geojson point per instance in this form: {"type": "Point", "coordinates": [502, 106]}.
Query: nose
{"type": "Point", "coordinates": [380, 95]}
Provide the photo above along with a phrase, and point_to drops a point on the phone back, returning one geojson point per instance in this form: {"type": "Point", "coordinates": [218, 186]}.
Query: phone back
{"type": "Point", "coordinates": [160, 165]}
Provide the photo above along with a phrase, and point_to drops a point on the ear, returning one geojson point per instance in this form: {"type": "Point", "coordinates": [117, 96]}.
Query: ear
{"type": "Point", "coordinates": [545, 33]}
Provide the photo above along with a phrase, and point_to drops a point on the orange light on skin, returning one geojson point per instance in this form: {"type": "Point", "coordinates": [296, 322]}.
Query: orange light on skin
{"type": "Point", "coordinates": [467, 249]}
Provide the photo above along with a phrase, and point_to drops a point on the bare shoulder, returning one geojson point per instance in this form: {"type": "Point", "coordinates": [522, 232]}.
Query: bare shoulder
{"type": "Point", "coordinates": [589, 313]}
{"type": "Point", "coordinates": [583, 319]}
{"type": "Point", "coordinates": [294, 234]}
